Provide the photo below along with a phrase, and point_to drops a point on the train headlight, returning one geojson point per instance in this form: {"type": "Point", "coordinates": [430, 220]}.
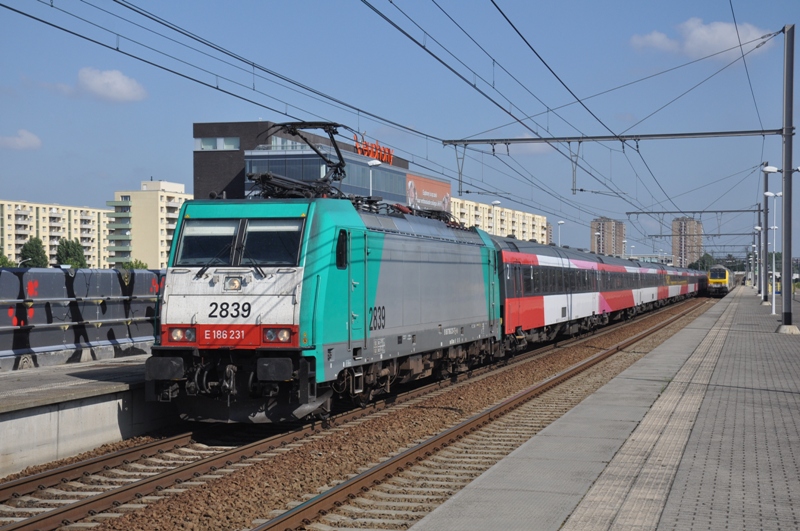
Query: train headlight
{"type": "Point", "coordinates": [233, 283]}
{"type": "Point", "coordinates": [182, 334]}
{"type": "Point", "coordinates": [277, 335]}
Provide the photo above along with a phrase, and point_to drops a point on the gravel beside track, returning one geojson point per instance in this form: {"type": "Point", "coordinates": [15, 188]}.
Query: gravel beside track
{"type": "Point", "coordinates": [257, 492]}
{"type": "Point", "coordinates": [101, 450]}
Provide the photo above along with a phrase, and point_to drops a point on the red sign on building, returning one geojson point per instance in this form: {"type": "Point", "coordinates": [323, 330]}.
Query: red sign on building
{"type": "Point", "coordinates": [374, 150]}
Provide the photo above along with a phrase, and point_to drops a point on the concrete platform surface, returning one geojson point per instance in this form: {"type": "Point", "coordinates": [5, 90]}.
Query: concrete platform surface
{"type": "Point", "coordinates": [27, 388]}
{"type": "Point", "coordinates": [702, 433]}
{"type": "Point", "coordinates": [50, 413]}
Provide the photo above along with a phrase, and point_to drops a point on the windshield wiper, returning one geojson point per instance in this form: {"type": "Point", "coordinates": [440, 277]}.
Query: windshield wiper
{"type": "Point", "coordinates": [246, 254]}
{"type": "Point", "coordinates": [211, 262]}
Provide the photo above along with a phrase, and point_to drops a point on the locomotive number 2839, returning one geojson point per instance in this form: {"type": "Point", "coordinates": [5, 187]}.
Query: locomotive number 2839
{"type": "Point", "coordinates": [377, 318]}
{"type": "Point", "coordinates": [224, 310]}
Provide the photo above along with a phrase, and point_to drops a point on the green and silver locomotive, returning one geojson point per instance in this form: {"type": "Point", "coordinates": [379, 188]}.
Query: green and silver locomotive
{"type": "Point", "coordinates": [273, 307]}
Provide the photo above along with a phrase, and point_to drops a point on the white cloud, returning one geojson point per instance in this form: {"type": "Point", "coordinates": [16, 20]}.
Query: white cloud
{"type": "Point", "coordinates": [110, 85]}
{"type": "Point", "coordinates": [655, 39]}
{"type": "Point", "coordinates": [23, 140]}
{"type": "Point", "coordinates": [699, 40]}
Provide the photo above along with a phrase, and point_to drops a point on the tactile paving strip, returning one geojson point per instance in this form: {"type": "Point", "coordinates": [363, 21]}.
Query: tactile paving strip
{"type": "Point", "coordinates": [740, 469]}
{"type": "Point", "coordinates": [633, 488]}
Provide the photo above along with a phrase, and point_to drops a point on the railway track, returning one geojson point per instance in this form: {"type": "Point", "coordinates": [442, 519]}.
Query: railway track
{"type": "Point", "coordinates": [400, 491]}
{"type": "Point", "coordinates": [103, 488]}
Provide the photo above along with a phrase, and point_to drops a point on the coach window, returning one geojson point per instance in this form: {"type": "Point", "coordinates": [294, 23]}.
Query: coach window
{"type": "Point", "coordinates": [341, 250]}
{"type": "Point", "coordinates": [527, 281]}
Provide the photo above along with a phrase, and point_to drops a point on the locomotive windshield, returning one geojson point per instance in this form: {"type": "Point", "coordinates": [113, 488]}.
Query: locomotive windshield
{"type": "Point", "coordinates": [272, 242]}
{"type": "Point", "coordinates": [207, 242]}
{"type": "Point", "coordinates": [717, 273]}
{"type": "Point", "coordinates": [264, 242]}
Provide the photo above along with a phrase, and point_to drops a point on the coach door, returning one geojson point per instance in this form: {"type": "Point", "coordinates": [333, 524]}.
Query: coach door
{"type": "Point", "coordinates": [357, 303]}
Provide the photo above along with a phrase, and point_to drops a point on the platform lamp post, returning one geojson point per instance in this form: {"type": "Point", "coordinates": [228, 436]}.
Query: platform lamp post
{"type": "Point", "coordinates": [774, 229]}
{"type": "Point", "coordinates": [561, 222]}
{"type": "Point", "coordinates": [371, 165]}
{"type": "Point", "coordinates": [753, 264]}
{"type": "Point", "coordinates": [19, 264]}
{"type": "Point", "coordinates": [760, 264]}
{"type": "Point", "coordinates": [624, 248]}
{"type": "Point", "coordinates": [632, 248]}
{"type": "Point", "coordinates": [597, 245]}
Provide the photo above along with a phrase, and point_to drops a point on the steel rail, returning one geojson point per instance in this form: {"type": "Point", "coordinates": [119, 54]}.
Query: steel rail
{"type": "Point", "coordinates": [304, 514]}
{"type": "Point", "coordinates": [51, 478]}
{"type": "Point", "coordinates": [71, 513]}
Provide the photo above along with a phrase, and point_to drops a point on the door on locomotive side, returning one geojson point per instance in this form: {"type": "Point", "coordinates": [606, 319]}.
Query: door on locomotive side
{"type": "Point", "coordinates": [357, 300]}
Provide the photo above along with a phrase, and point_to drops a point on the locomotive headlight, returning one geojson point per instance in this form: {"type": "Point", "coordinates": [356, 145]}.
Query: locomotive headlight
{"type": "Point", "coordinates": [277, 335]}
{"type": "Point", "coordinates": [233, 283]}
{"type": "Point", "coordinates": [182, 334]}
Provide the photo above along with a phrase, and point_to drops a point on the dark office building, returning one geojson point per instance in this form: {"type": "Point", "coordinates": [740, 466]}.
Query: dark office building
{"type": "Point", "coordinates": [225, 152]}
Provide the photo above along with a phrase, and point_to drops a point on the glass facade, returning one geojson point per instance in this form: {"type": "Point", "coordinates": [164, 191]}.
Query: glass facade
{"type": "Point", "coordinates": [288, 160]}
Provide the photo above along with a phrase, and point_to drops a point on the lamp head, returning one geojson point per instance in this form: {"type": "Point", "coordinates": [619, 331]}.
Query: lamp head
{"type": "Point", "coordinates": [769, 194]}
{"type": "Point", "coordinates": [374, 162]}
{"type": "Point", "coordinates": [770, 169]}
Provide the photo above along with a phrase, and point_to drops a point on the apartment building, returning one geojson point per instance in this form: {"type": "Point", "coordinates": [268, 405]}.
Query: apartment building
{"type": "Point", "coordinates": [687, 240]}
{"type": "Point", "coordinates": [50, 222]}
{"type": "Point", "coordinates": [500, 221]}
{"type": "Point", "coordinates": [143, 222]}
{"type": "Point", "coordinates": [607, 236]}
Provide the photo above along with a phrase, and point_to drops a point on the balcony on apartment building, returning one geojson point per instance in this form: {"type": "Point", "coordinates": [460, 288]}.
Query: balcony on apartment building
{"type": "Point", "coordinates": [120, 247]}
{"type": "Point", "coordinates": [117, 225]}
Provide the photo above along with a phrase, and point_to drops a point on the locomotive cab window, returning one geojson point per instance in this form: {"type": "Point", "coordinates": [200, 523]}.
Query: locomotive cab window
{"type": "Point", "coordinates": [207, 241]}
{"type": "Point", "coordinates": [272, 242]}
{"type": "Point", "coordinates": [341, 250]}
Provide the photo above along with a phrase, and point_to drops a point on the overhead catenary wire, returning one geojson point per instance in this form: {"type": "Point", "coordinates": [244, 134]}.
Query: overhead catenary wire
{"type": "Point", "coordinates": [228, 92]}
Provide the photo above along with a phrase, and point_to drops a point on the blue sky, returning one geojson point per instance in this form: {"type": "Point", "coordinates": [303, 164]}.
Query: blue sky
{"type": "Point", "coordinates": [80, 120]}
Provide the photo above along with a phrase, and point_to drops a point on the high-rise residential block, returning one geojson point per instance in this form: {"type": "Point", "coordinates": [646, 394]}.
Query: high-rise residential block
{"type": "Point", "coordinates": [607, 236]}
{"type": "Point", "coordinates": [144, 221]}
{"type": "Point", "coordinates": [687, 241]}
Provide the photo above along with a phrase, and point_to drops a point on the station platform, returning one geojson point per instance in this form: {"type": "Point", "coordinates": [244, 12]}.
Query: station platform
{"type": "Point", "coordinates": [50, 413]}
{"type": "Point", "coordinates": [702, 433]}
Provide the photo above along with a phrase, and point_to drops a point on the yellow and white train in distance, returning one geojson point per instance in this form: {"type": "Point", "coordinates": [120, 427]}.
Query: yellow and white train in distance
{"type": "Point", "coordinates": [721, 281]}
